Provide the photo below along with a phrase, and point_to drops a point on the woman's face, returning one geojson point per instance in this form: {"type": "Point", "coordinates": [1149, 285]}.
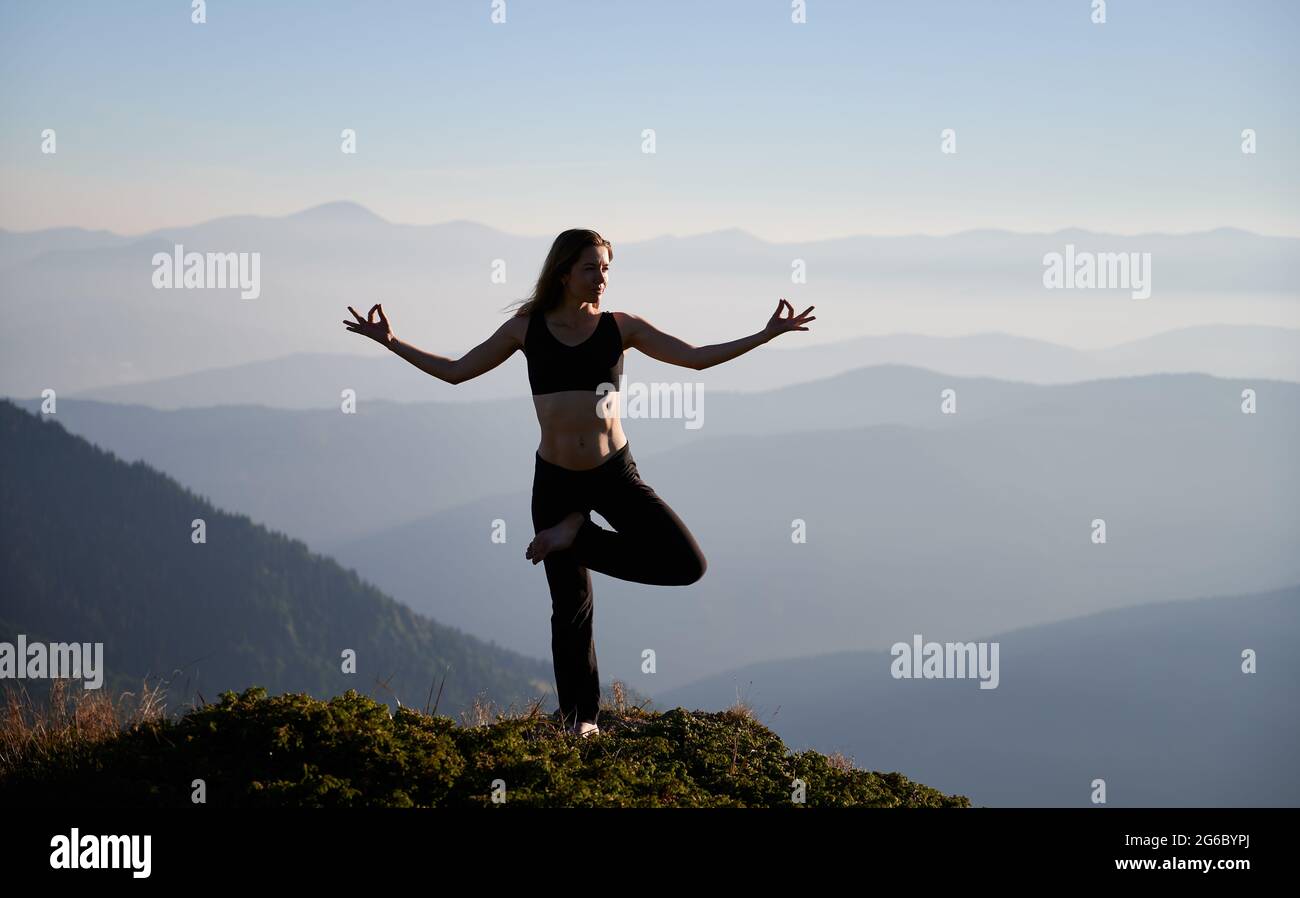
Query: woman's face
{"type": "Point", "coordinates": [587, 279]}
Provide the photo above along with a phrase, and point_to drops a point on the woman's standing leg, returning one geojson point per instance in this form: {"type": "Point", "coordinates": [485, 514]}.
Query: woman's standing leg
{"type": "Point", "coordinates": [556, 493]}
{"type": "Point", "coordinates": [650, 543]}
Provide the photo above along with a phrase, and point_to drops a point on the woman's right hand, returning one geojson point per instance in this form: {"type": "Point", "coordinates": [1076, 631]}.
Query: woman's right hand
{"type": "Point", "coordinates": [379, 331]}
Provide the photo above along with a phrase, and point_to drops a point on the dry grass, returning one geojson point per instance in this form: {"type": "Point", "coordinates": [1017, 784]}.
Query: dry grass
{"type": "Point", "coordinates": [741, 709]}
{"type": "Point", "coordinates": [31, 730]}
{"type": "Point", "coordinates": [479, 714]}
{"type": "Point", "coordinates": [613, 713]}
{"type": "Point", "coordinates": [484, 713]}
{"type": "Point", "coordinates": [839, 761]}
{"type": "Point", "coordinates": [619, 703]}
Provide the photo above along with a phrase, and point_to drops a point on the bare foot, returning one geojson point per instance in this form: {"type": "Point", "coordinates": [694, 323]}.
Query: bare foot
{"type": "Point", "coordinates": [555, 539]}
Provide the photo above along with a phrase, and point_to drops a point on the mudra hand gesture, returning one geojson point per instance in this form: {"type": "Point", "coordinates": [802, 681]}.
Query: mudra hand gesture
{"type": "Point", "coordinates": [379, 331]}
{"type": "Point", "coordinates": [779, 325]}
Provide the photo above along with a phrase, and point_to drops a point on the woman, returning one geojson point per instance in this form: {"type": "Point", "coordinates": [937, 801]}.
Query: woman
{"type": "Point", "coordinates": [583, 462]}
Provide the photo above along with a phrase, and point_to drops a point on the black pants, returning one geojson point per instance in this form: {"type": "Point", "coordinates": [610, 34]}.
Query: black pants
{"type": "Point", "coordinates": [649, 544]}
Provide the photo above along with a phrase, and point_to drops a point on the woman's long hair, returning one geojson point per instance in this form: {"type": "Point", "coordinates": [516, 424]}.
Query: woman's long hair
{"type": "Point", "coordinates": [549, 292]}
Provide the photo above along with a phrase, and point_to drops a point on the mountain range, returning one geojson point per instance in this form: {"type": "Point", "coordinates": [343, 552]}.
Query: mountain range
{"type": "Point", "coordinates": [446, 287]}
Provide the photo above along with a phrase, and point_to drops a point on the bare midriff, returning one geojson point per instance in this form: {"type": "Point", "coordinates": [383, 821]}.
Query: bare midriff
{"type": "Point", "coordinates": [574, 435]}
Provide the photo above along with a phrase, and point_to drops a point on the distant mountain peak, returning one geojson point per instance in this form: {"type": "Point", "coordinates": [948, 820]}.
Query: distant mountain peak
{"type": "Point", "coordinates": [340, 210]}
{"type": "Point", "coordinates": [1075, 233]}
{"type": "Point", "coordinates": [739, 233]}
{"type": "Point", "coordinates": [1232, 232]}
{"type": "Point", "coordinates": [734, 236]}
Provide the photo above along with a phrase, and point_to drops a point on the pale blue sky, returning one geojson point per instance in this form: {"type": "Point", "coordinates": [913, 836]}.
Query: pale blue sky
{"type": "Point", "coordinates": [794, 132]}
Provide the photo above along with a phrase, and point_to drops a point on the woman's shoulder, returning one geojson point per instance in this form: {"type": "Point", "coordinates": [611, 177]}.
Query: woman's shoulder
{"type": "Point", "coordinates": [520, 326]}
{"type": "Point", "coordinates": [626, 321]}
{"type": "Point", "coordinates": [622, 324]}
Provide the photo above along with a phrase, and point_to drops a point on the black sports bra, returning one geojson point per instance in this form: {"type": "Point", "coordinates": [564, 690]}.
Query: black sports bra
{"type": "Point", "coordinates": [554, 366]}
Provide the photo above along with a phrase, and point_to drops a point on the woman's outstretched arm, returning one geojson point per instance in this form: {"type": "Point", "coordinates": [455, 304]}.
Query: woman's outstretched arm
{"type": "Point", "coordinates": [479, 360]}
{"type": "Point", "coordinates": [436, 365]}
{"type": "Point", "coordinates": [667, 348]}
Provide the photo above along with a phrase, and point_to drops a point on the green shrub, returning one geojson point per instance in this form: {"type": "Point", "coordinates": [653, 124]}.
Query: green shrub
{"type": "Point", "coordinates": [252, 750]}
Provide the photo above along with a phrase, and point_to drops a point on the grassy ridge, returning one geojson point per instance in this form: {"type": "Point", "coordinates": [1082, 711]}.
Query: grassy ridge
{"type": "Point", "coordinates": [291, 750]}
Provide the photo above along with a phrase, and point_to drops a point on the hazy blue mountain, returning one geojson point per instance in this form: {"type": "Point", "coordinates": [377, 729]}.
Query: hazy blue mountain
{"type": "Point", "coordinates": [296, 470]}
{"type": "Point", "coordinates": [322, 475]}
{"type": "Point", "coordinates": [1227, 351]}
{"type": "Point", "coordinates": [1151, 698]}
{"type": "Point", "coordinates": [21, 246]}
{"type": "Point", "coordinates": [103, 323]}
{"type": "Point", "coordinates": [979, 526]}
{"type": "Point", "coordinates": [315, 380]}
{"type": "Point", "coordinates": [983, 517]}
{"type": "Point", "coordinates": [283, 467]}
{"type": "Point", "coordinates": [98, 550]}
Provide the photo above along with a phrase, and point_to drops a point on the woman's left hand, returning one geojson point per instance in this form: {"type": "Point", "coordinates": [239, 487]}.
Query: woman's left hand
{"type": "Point", "coordinates": [778, 325]}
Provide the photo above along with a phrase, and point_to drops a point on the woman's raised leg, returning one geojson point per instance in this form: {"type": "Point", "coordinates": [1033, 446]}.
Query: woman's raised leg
{"type": "Point", "coordinates": [650, 543]}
